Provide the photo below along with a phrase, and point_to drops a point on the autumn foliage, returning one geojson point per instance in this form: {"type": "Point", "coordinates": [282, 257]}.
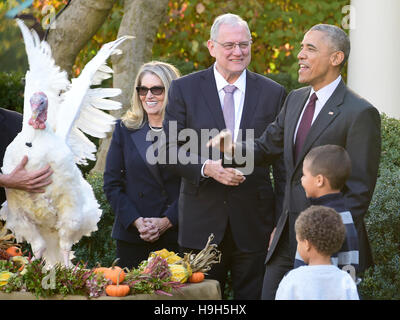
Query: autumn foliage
{"type": "Point", "coordinates": [277, 28]}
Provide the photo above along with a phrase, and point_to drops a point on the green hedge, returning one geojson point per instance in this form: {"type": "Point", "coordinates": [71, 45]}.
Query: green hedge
{"type": "Point", "coordinates": [12, 91]}
{"type": "Point", "coordinates": [382, 281]}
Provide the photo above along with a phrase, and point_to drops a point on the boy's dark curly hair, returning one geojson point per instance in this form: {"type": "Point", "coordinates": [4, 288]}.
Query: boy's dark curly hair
{"type": "Point", "coordinates": [322, 227]}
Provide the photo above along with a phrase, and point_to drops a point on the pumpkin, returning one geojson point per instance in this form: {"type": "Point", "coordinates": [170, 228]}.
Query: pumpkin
{"type": "Point", "coordinates": [100, 270]}
{"type": "Point", "coordinates": [14, 251]}
{"type": "Point", "coordinates": [196, 277]}
{"type": "Point", "coordinates": [118, 290]}
{"type": "Point", "coordinates": [114, 273]}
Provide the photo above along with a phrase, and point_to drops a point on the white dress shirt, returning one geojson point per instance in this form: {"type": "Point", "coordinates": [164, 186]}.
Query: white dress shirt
{"type": "Point", "coordinates": [323, 96]}
{"type": "Point", "coordinates": [238, 97]}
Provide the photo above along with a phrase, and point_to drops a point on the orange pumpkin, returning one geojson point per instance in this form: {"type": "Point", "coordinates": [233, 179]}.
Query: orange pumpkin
{"type": "Point", "coordinates": [14, 251]}
{"type": "Point", "coordinates": [118, 290]}
{"type": "Point", "coordinates": [114, 273]}
{"type": "Point", "coordinates": [100, 270]}
{"type": "Point", "coordinates": [196, 277]}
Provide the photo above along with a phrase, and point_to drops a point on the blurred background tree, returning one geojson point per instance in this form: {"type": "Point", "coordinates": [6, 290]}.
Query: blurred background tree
{"type": "Point", "coordinates": [277, 29]}
{"type": "Point", "coordinates": [174, 31]}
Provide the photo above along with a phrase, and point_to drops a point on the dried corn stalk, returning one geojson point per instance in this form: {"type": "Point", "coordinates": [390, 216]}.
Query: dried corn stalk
{"type": "Point", "coordinates": [205, 258]}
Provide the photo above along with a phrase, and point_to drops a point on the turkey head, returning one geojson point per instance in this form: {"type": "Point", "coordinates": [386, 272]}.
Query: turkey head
{"type": "Point", "coordinates": [39, 103]}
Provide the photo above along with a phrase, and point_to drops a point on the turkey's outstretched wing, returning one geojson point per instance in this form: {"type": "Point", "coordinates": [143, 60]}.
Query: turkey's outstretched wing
{"type": "Point", "coordinates": [80, 109]}
{"type": "Point", "coordinates": [43, 75]}
{"type": "Point", "coordinates": [92, 121]}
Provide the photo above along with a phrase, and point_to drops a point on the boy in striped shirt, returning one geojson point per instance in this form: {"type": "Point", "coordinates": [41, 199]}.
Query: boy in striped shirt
{"type": "Point", "coordinates": [325, 171]}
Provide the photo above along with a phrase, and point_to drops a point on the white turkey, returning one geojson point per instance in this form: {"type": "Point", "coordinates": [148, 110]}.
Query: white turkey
{"type": "Point", "coordinates": [56, 113]}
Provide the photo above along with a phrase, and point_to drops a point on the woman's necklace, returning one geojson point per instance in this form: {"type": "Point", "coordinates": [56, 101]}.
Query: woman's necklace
{"type": "Point", "coordinates": [155, 129]}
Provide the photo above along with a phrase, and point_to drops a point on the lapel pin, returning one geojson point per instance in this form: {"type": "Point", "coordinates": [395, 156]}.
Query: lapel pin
{"type": "Point", "coordinates": [330, 113]}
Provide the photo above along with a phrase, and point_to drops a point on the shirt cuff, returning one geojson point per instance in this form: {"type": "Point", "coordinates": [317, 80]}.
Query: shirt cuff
{"type": "Point", "coordinates": [228, 156]}
{"type": "Point", "coordinates": [202, 169]}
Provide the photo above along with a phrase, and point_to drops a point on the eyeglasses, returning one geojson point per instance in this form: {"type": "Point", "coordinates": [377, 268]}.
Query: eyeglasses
{"type": "Point", "coordinates": [142, 91]}
{"type": "Point", "coordinates": [231, 45]}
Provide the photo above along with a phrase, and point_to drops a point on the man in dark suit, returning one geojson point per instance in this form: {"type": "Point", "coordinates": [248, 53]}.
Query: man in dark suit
{"type": "Point", "coordinates": [34, 181]}
{"type": "Point", "coordinates": [335, 115]}
{"type": "Point", "coordinates": [240, 217]}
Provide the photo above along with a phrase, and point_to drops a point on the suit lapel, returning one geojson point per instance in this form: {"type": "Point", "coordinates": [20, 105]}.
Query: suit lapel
{"type": "Point", "coordinates": [327, 114]}
{"type": "Point", "coordinates": [139, 139]}
{"type": "Point", "coordinates": [210, 94]}
{"type": "Point", "coordinates": [250, 102]}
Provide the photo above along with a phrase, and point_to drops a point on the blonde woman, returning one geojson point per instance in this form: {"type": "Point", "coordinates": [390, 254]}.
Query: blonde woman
{"type": "Point", "coordinates": [143, 196]}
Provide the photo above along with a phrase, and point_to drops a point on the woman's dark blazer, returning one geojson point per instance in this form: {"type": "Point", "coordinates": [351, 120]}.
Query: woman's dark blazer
{"type": "Point", "coordinates": [135, 188]}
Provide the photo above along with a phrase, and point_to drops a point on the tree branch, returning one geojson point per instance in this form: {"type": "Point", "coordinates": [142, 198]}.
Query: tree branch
{"type": "Point", "coordinates": [75, 27]}
{"type": "Point", "coordinates": [141, 19]}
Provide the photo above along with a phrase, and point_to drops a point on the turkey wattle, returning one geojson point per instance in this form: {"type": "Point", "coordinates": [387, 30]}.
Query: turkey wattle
{"type": "Point", "coordinates": [57, 113]}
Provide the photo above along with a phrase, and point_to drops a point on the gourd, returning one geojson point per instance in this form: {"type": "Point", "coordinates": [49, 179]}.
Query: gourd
{"type": "Point", "coordinates": [100, 270]}
{"type": "Point", "coordinates": [179, 272]}
{"type": "Point", "coordinates": [114, 273]}
{"type": "Point", "coordinates": [118, 290]}
{"type": "Point", "coordinates": [4, 277]}
{"type": "Point", "coordinates": [14, 251]}
{"type": "Point", "coordinates": [170, 256]}
{"type": "Point", "coordinates": [196, 277]}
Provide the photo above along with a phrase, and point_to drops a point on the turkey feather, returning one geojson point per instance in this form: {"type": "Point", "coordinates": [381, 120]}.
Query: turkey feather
{"type": "Point", "coordinates": [57, 114]}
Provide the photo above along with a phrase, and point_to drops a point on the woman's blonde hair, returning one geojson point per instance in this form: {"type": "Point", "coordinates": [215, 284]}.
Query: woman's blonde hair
{"type": "Point", "coordinates": [135, 116]}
